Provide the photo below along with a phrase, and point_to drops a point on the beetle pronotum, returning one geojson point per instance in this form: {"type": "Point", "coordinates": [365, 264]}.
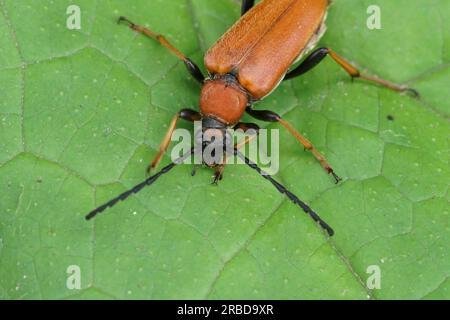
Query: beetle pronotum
{"type": "Point", "coordinates": [245, 65]}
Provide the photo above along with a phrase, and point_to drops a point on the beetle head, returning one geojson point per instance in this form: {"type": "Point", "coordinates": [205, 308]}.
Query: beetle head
{"type": "Point", "coordinates": [215, 140]}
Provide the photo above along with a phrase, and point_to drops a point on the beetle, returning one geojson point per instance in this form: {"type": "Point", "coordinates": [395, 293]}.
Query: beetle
{"type": "Point", "coordinates": [244, 66]}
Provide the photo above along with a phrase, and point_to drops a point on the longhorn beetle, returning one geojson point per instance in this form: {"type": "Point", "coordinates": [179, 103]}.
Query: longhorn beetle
{"type": "Point", "coordinates": [245, 65]}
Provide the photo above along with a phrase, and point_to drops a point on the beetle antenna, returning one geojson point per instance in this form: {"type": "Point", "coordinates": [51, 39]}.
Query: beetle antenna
{"type": "Point", "coordinates": [282, 189]}
{"type": "Point", "coordinates": [138, 187]}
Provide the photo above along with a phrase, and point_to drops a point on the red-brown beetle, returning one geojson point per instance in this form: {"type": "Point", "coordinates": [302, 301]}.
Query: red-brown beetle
{"type": "Point", "coordinates": [245, 65]}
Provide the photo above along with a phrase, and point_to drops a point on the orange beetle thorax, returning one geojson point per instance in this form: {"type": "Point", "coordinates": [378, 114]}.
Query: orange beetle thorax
{"type": "Point", "coordinates": [223, 100]}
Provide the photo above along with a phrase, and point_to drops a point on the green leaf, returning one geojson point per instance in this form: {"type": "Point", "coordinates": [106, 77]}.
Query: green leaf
{"type": "Point", "coordinates": [83, 112]}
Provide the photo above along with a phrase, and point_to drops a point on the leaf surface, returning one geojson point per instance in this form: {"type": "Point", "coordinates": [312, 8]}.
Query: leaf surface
{"type": "Point", "coordinates": [83, 113]}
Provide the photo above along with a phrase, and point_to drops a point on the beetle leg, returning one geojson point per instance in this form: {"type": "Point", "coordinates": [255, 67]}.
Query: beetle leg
{"type": "Point", "coordinates": [309, 63]}
{"type": "Point", "coordinates": [219, 169]}
{"type": "Point", "coordinates": [269, 116]}
{"type": "Point", "coordinates": [218, 173]}
{"type": "Point", "coordinates": [246, 5]}
{"type": "Point", "coordinates": [193, 69]}
{"type": "Point", "coordinates": [319, 54]}
{"type": "Point", "coordinates": [186, 114]}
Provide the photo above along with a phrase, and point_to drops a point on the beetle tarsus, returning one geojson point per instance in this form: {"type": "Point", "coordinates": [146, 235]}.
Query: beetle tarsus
{"type": "Point", "coordinates": [216, 180]}
{"type": "Point", "coordinates": [124, 19]}
{"type": "Point", "coordinates": [218, 176]}
{"type": "Point", "coordinates": [335, 176]}
{"type": "Point", "coordinates": [412, 92]}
